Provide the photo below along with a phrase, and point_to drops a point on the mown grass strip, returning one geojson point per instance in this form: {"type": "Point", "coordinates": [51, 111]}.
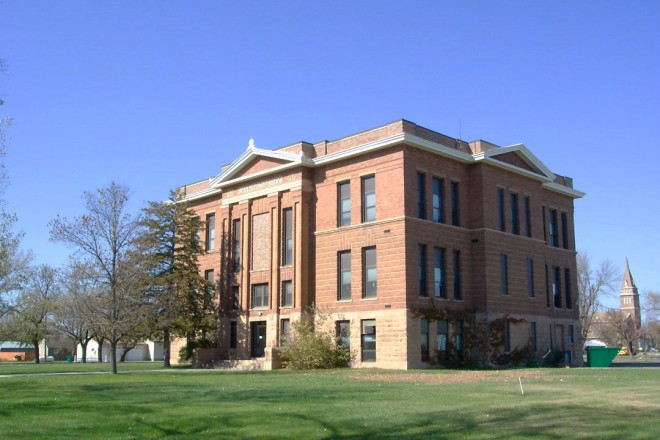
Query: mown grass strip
{"type": "Point", "coordinates": [580, 403]}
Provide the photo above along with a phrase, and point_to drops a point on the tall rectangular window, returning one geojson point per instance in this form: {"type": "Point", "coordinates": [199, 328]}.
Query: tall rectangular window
{"type": "Point", "coordinates": [287, 293]}
{"type": "Point", "coordinates": [424, 339]}
{"type": "Point", "coordinates": [421, 195]}
{"type": "Point", "coordinates": [545, 226]}
{"type": "Point", "coordinates": [369, 274]}
{"type": "Point", "coordinates": [567, 288]}
{"type": "Point", "coordinates": [530, 278]}
{"type": "Point", "coordinates": [515, 216]}
{"type": "Point", "coordinates": [368, 340]}
{"type": "Point", "coordinates": [197, 226]}
{"type": "Point", "coordinates": [507, 336]}
{"type": "Point", "coordinates": [455, 205]}
{"type": "Point", "coordinates": [442, 331]}
{"type": "Point", "coordinates": [556, 285]}
{"type": "Point", "coordinates": [210, 232]}
{"type": "Point", "coordinates": [259, 296]}
{"type": "Point", "coordinates": [368, 199]}
{"type": "Point", "coordinates": [458, 294]}
{"type": "Point", "coordinates": [504, 275]}
{"type": "Point", "coordinates": [344, 281]}
{"type": "Point", "coordinates": [344, 334]}
{"type": "Point", "coordinates": [287, 237]}
{"type": "Point", "coordinates": [552, 226]}
{"type": "Point", "coordinates": [459, 336]}
{"type": "Point", "coordinates": [439, 275]}
{"type": "Point", "coordinates": [209, 275]}
{"type": "Point", "coordinates": [235, 297]}
{"type": "Point", "coordinates": [233, 334]}
{"type": "Point", "coordinates": [236, 246]}
{"type": "Point", "coordinates": [528, 217]}
{"type": "Point", "coordinates": [569, 336]}
{"type": "Point", "coordinates": [500, 209]}
{"type": "Point", "coordinates": [532, 335]}
{"type": "Point", "coordinates": [552, 339]}
{"type": "Point", "coordinates": [547, 286]}
{"type": "Point", "coordinates": [421, 272]}
{"type": "Point", "coordinates": [564, 230]}
{"type": "Point", "coordinates": [285, 332]}
{"type": "Point", "coordinates": [344, 203]}
{"type": "Point", "coordinates": [438, 200]}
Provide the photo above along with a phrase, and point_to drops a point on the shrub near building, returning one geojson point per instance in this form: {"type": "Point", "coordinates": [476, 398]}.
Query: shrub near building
{"type": "Point", "coordinates": [313, 348]}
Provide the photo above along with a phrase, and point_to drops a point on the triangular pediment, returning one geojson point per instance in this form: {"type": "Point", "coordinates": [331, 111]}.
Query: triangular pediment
{"type": "Point", "coordinates": [520, 157]}
{"type": "Point", "coordinates": [256, 162]}
{"type": "Point", "coordinates": [516, 160]}
{"type": "Point", "coordinates": [259, 164]}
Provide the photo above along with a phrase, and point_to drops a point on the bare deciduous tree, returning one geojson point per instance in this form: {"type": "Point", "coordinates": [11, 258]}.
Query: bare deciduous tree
{"type": "Point", "coordinates": [73, 311]}
{"type": "Point", "coordinates": [652, 305]}
{"type": "Point", "coordinates": [27, 319]}
{"type": "Point", "coordinates": [622, 327]}
{"type": "Point", "coordinates": [13, 262]}
{"type": "Point", "coordinates": [651, 324]}
{"type": "Point", "coordinates": [105, 236]}
{"type": "Point", "coordinates": [593, 284]}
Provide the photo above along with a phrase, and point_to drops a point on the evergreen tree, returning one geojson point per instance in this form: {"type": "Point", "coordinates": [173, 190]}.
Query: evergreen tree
{"type": "Point", "coordinates": [183, 299]}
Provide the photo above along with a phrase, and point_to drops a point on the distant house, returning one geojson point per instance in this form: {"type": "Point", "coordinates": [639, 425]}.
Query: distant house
{"type": "Point", "coordinates": [57, 345]}
{"type": "Point", "coordinates": [16, 351]}
{"type": "Point", "coordinates": [143, 351]}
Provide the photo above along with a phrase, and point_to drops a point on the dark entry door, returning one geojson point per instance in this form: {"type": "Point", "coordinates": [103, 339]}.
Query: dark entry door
{"type": "Point", "coordinates": [258, 339]}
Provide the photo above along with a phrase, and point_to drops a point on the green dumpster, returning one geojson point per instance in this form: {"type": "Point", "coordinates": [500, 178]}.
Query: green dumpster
{"type": "Point", "coordinates": [601, 356]}
{"type": "Point", "coordinates": [69, 358]}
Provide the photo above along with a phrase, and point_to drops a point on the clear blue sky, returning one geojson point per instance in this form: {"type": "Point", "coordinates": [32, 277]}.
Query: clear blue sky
{"type": "Point", "coordinates": [158, 94]}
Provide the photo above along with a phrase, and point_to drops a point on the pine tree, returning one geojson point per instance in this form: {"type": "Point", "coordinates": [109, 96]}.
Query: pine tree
{"type": "Point", "coordinates": [183, 298]}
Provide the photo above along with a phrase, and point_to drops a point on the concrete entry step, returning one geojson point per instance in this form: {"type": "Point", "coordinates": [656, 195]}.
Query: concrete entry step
{"type": "Point", "coordinates": [242, 365]}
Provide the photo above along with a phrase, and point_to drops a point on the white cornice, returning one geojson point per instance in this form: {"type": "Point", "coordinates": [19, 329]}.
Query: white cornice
{"type": "Point", "coordinates": [543, 173]}
{"type": "Point", "coordinates": [361, 149]}
{"type": "Point", "coordinates": [201, 194]}
{"type": "Point", "coordinates": [400, 138]}
{"type": "Point", "coordinates": [562, 189]}
{"type": "Point", "coordinates": [438, 148]}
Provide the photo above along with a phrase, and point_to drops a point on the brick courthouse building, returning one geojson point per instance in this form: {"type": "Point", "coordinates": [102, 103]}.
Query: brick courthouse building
{"type": "Point", "coordinates": [373, 226]}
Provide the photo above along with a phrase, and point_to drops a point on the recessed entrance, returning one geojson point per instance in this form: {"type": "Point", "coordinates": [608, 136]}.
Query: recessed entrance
{"type": "Point", "coordinates": [258, 331]}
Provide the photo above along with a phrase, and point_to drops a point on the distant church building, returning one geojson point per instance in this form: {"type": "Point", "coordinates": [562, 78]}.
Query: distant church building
{"type": "Point", "coordinates": [607, 326]}
{"type": "Point", "coordinates": [629, 297]}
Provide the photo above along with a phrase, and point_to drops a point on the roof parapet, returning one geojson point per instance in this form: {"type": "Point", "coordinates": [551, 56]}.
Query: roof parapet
{"type": "Point", "coordinates": [479, 146]}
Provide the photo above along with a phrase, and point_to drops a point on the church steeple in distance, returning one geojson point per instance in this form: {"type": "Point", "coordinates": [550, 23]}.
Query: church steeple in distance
{"type": "Point", "coordinates": [629, 297]}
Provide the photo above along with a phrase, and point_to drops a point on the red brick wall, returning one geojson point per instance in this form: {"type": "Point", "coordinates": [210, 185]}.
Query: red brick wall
{"type": "Point", "coordinates": [396, 233]}
{"type": "Point", "coordinates": [386, 233]}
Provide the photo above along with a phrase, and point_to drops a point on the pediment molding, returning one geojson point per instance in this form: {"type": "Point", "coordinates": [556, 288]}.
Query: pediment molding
{"type": "Point", "coordinates": [252, 153]}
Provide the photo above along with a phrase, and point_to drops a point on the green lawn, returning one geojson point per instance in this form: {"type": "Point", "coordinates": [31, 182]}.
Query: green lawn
{"type": "Point", "coordinates": [558, 403]}
{"type": "Point", "coordinates": [71, 367]}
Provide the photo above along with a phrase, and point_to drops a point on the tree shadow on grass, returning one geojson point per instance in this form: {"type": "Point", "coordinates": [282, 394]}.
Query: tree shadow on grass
{"type": "Point", "coordinates": [536, 421]}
